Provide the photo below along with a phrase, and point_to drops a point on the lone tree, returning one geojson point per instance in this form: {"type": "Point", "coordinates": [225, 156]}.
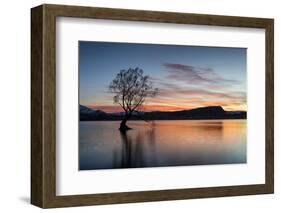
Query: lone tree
{"type": "Point", "coordinates": [131, 87]}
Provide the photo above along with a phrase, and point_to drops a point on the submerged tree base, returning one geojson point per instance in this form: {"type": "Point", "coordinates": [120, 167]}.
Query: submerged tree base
{"type": "Point", "coordinates": [124, 128]}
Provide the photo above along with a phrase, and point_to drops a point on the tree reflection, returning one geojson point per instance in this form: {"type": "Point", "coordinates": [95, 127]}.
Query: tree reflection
{"type": "Point", "coordinates": [136, 149]}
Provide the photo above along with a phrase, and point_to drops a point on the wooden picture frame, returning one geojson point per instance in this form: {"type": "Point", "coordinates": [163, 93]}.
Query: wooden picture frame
{"type": "Point", "coordinates": [43, 105]}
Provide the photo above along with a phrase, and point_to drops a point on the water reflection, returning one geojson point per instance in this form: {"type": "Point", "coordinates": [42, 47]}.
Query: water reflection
{"type": "Point", "coordinates": [133, 151]}
{"type": "Point", "coordinates": [167, 143]}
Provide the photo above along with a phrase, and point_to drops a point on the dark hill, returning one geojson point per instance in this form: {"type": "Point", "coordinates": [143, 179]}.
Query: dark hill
{"type": "Point", "coordinates": [211, 112]}
{"type": "Point", "coordinates": [89, 114]}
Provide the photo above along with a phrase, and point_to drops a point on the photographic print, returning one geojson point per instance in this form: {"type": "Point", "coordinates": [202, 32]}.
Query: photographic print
{"type": "Point", "coordinates": [182, 96]}
{"type": "Point", "coordinates": [155, 105]}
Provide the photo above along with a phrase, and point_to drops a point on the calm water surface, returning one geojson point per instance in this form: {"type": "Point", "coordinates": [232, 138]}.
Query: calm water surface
{"type": "Point", "coordinates": [162, 143]}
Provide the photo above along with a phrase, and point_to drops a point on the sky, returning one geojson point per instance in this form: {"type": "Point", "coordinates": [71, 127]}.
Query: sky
{"type": "Point", "coordinates": [187, 77]}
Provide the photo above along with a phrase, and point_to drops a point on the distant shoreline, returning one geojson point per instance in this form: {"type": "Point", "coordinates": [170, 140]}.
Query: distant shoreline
{"type": "Point", "coordinates": [202, 113]}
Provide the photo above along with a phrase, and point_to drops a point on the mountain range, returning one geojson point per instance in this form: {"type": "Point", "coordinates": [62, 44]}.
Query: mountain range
{"type": "Point", "coordinates": [210, 112]}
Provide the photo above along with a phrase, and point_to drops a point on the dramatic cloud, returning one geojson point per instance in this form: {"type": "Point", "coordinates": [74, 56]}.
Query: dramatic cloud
{"type": "Point", "coordinates": [205, 89]}
{"type": "Point", "coordinates": [167, 90]}
{"type": "Point", "coordinates": [186, 87]}
{"type": "Point", "coordinates": [192, 74]}
{"type": "Point", "coordinates": [201, 93]}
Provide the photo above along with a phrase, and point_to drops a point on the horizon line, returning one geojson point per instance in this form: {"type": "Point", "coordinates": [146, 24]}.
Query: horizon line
{"type": "Point", "coordinates": [180, 109]}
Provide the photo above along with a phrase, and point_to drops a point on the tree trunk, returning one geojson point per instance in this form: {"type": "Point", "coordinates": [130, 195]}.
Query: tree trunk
{"type": "Point", "coordinates": [123, 126]}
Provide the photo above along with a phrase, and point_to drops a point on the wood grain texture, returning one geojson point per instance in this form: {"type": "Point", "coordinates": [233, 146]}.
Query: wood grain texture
{"type": "Point", "coordinates": [43, 105]}
{"type": "Point", "coordinates": [36, 106]}
{"type": "Point", "coordinates": [269, 106]}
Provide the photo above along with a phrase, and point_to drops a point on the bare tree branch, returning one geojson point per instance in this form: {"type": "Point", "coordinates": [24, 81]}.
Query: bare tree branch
{"type": "Point", "coordinates": [131, 88]}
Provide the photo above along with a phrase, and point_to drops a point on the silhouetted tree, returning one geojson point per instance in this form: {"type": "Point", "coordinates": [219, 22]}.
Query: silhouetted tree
{"type": "Point", "coordinates": [131, 87]}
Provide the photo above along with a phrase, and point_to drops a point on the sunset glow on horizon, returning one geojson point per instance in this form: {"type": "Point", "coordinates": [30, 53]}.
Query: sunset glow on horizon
{"type": "Point", "coordinates": [168, 108]}
{"type": "Point", "coordinates": [187, 77]}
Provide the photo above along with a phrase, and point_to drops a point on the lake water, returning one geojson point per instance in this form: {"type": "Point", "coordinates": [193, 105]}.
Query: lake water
{"type": "Point", "coordinates": [161, 143]}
